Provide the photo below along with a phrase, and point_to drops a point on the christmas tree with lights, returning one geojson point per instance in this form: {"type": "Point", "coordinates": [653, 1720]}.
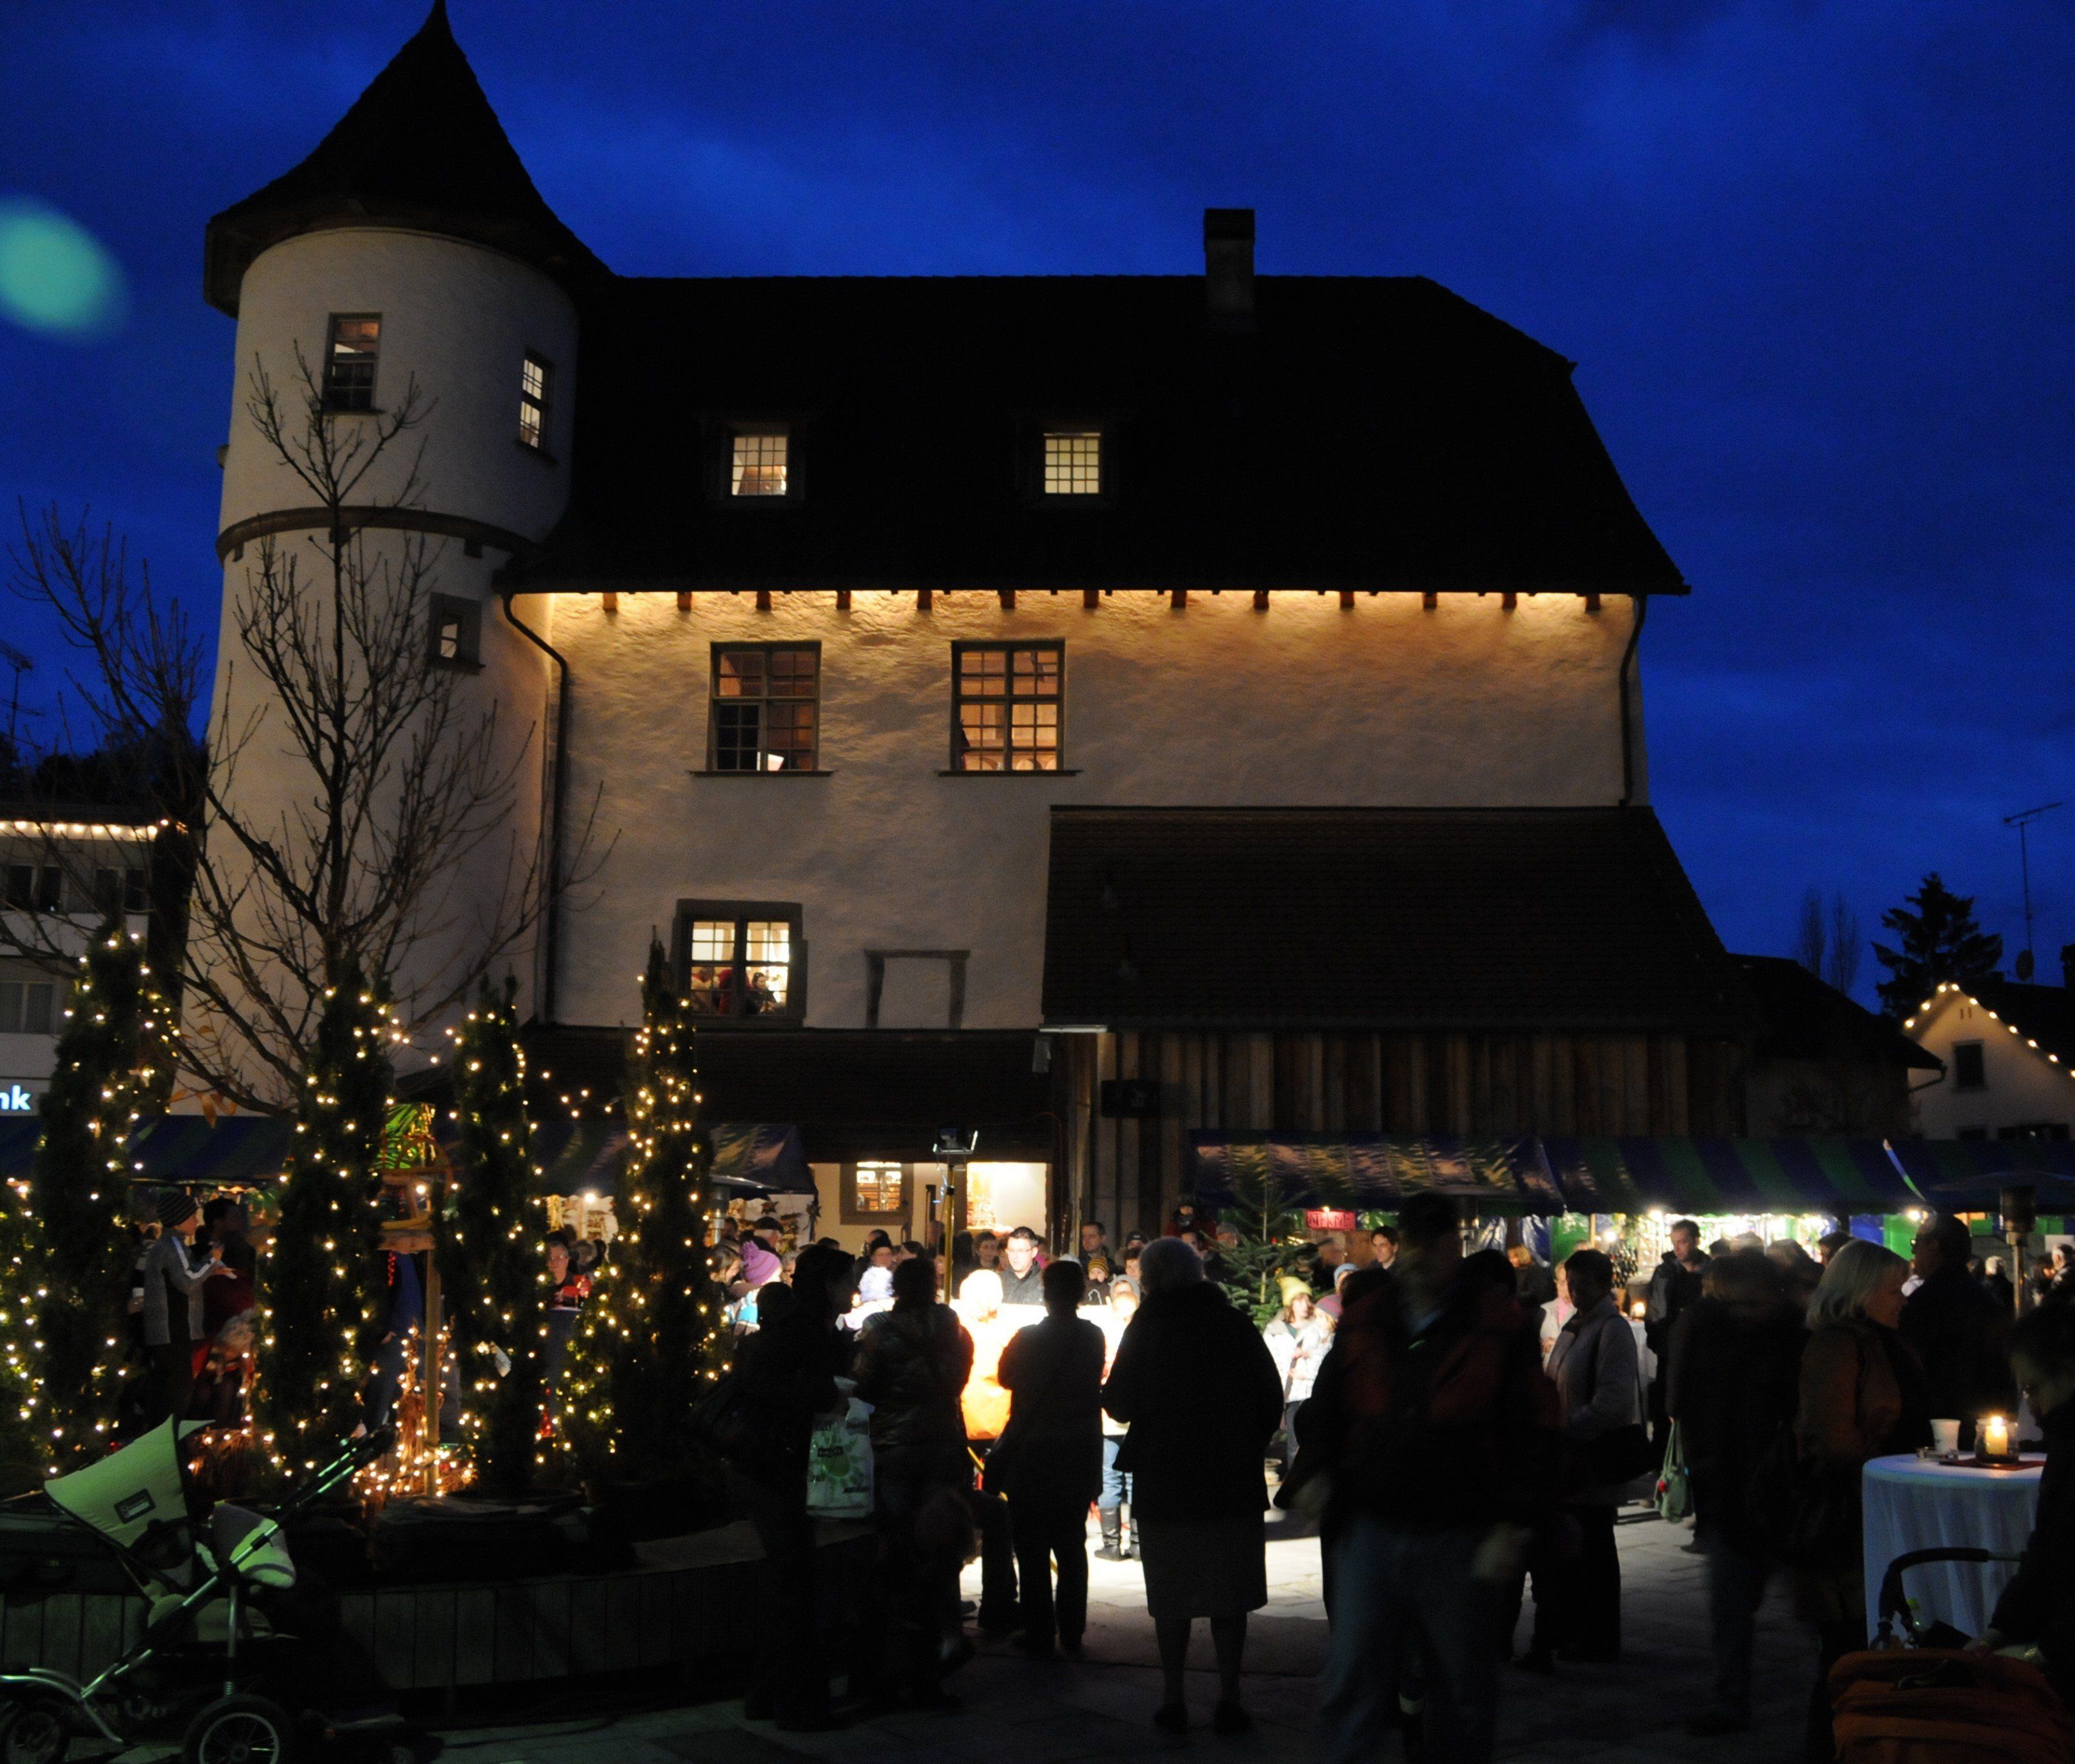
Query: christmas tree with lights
{"type": "Point", "coordinates": [110, 1063]}
{"type": "Point", "coordinates": [324, 1287]}
{"type": "Point", "coordinates": [491, 1269]}
{"type": "Point", "coordinates": [652, 1338]}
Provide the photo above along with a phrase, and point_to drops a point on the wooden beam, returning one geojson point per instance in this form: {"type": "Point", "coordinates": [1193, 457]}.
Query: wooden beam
{"type": "Point", "coordinates": [923, 600]}
{"type": "Point", "coordinates": [1178, 598]}
{"type": "Point", "coordinates": [1508, 600]}
{"type": "Point", "coordinates": [1261, 600]}
{"type": "Point", "coordinates": [1091, 598]}
{"type": "Point", "coordinates": [1429, 600]}
{"type": "Point", "coordinates": [1346, 600]}
{"type": "Point", "coordinates": [1008, 599]}
{"type": "Point", "coordinates": [843, 600]}
{"type": "Point", "coordinates": [683, 600]}
{"type": "Point", "coordinates": [611, 601]}
{"type": "Point", "coordinates": [1591, 603]}
{"type": "Point", "coordinates": [763, 600]}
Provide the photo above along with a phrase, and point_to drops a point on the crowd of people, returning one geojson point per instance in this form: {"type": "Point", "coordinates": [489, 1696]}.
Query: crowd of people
{"type": "Point", "coordinates": [1462, 1428]}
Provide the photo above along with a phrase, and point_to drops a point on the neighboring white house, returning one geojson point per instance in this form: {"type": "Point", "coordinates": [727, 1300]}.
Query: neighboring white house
{"type": "Point", "coordinates": [1076, 711]}
{"type": "Point", "coordinates": [2009, 1054]}
{"type": "Point", "coordinates": [63, 871]}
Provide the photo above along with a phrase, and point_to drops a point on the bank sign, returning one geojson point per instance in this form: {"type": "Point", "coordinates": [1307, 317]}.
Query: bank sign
{"type": "Point", "coordinates": [16, 1097]}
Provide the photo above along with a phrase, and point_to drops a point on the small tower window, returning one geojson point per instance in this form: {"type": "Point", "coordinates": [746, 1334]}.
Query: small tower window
{"type": "Point", "coordinates": [350, 355]}
{"type": "Point", "coordinates": [533, 373]}
{"type": "Point", "coordinates": [759, 463]}
{"type": "Point", "coordinates": [457, 633]}
{"type": "Point", "coordinates": [1073, 462]}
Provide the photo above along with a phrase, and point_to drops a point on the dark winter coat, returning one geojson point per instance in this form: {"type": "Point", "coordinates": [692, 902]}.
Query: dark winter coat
{"type": "Point", "coordinates": [1054, 1372]}
{"type": "Point", "coordinates": [911, 1367]}
{"type": "Point", "coordinates": [2039, 1604]}
{"type": "Point", "coordinates": [1199, 1390]}
{"type": "Point", "coordinates": [1962, 1336]}
{"type": "Point", "coordinates": [789, 1370]}
{"type": "Point", "coordinates": [1734, 1386]}
{"type": "Point", "coordinates": [1674, 1289]}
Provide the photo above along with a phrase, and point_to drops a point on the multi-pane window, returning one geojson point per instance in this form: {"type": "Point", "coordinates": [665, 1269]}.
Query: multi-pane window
{"type": "Point", "coordinates": [35, 888]}
{"type": "Point", "coordinates": [766, 701]}
{"type": "Point", "coordinates": [121, 891]}
{"type": "Point", "coordinates": [1073, 462]}
{"type": "Point", "coordinates": [349, 367]}
{"type": "Point", "coordinates": [873, 1189]}
{"type": "Point", "coordinates": [27, 1007]}
{"type": "Point", "coordinates": [758, 468]}
{"type": "Point", "coordinates": [534, 402]}
{"type": "Point", "coordinates": [741, 959]}
{"type": "Point", "coordinates": [1006, 700]}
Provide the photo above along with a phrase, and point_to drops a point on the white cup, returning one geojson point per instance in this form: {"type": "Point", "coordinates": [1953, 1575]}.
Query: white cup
{"type": "Point", "coordinates": [1945, 1437]}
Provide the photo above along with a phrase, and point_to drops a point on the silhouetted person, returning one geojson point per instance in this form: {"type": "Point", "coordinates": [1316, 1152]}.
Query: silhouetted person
{"type": "Point", "coordinates": [1960, 1335]}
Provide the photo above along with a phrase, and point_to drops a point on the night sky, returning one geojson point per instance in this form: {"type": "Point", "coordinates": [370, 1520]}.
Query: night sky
{"type": "Point", "coordinates": [1814, 261]}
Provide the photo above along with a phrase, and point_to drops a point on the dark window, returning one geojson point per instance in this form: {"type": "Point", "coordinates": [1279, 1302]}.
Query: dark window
{"type": "Point", "coordinates": [122, 891]}
{"type": "Point", "coordinates": [874, 1193]}
{"type": "Point", "coordinates": [758, 465]}
{"type": "Point", "coordinates": [35, 888]}
{"type": "Point", "coordinates": [1968, 1073]}
{"type": "Point", "coordinates": [456, 632]}
{"type": "Point", "coordinates": [350, 354]}
{"type": "Point", "coordinates": [1006, 704]}
{"type": "Point", "coordinates": [742, 959]}
{"type": "Point", "coordinates": [2035, 1130]}
{"type": "Point", "coordinates": [766, 706]}
{"type": "Point", "coordinates": [1972, 1133]}
{"type": "Point", "coordinates": [27, 1007]}
{"type": "Point", "coordinates": [533, 374]}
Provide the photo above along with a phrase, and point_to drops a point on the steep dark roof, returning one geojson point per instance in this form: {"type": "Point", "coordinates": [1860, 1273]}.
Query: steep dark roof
{"type": "Point", "coordinates": [1807, 1019]}
{"type": "Point", "coordinates": [1383, 918]}
{"type": "Point", "coordinates": [852, 1093]}
{"type": "Point", "coordinates": [2044, 1014]}
{"type": "Point", "coordinates": [421, 147]}
{"type": "Point", "coordinates": [1371, 433]}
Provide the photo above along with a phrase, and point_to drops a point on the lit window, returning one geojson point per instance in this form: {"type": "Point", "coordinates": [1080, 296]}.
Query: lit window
{"type": "Point", "coordinates": [534, 402]}
{"type": "Point", "coordinates": [741, 958]}
{"type": "Point", "coordinates": [1006, 700]}
{"type": "Point", "coordinates": [759, 468]}
{"type": "Point", "coordinates": [349, 368]}
{"type": "Point", "coordinates": [765, 704]}
{"type": "Point", "coordinates": [874, 1190]}
{"type": "Point", "coordinates": [1969, 1071]}
{"type": "Point", "coordinates": [27, 1008]}
{"type": "Point", "coordinates": [456, 632]}
{"type": "Point", "coordinates": [1073, 462]}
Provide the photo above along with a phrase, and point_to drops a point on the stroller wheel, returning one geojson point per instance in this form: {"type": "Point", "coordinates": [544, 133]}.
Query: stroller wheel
{"type": "Point", "coordinates": [33, 1733]}
{"type": "Point", "coordinates": [239, 1730]}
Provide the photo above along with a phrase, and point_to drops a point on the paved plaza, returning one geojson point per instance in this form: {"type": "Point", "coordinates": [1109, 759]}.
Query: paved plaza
{"type": "Point", "coordinates": [1019, 1711]}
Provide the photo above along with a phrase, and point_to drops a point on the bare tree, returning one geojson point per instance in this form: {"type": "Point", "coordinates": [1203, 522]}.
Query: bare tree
{"type": "Point", "coordinates": [1842, 968]}
{"type": "Point", "coordinates": [351, 810]}
{"type": "Point", "coordinates": [1811, 942]}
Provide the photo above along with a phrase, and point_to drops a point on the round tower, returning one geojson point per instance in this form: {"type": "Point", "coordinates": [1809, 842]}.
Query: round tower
{"type": "Point", "coordinates": [408, 277]}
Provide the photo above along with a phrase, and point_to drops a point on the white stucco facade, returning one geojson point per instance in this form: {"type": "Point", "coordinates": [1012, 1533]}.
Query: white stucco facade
{"type": "Point", "coordinates": [2023, 1088]}
{"type": "Point", "coordinates": [1215, 704]}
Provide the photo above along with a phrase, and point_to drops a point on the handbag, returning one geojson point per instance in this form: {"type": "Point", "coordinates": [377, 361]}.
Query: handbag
{"type": "Point", "coordinates": [1675, 1483]}
{"type": "Point", "coordinates": [1623, 1454]}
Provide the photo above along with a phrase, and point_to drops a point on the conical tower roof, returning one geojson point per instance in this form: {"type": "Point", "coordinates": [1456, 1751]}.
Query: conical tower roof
{"type": "Point", "coordinates": [421, 147]}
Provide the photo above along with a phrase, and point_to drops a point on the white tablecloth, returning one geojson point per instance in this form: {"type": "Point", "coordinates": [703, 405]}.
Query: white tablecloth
{"type": "Point", "coordinates": [1918, 1504]}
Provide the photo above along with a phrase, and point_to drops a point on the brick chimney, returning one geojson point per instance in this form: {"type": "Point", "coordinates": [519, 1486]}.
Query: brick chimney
{"type": "Point", "coordinates": [1228, 268]}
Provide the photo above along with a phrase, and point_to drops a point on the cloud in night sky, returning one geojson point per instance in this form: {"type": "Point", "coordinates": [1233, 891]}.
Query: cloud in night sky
{"type": "Point", "coordinates": [1814, 261]}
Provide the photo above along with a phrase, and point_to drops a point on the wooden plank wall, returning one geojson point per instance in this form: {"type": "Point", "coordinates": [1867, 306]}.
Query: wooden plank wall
{"type": "Point", "coordinates": [1130, 1174]}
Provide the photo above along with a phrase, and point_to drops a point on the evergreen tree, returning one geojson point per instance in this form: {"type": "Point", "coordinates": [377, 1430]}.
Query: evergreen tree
{"type": "Point", "coordinates": [109, 1060]}
{"type": "Point", "coordinates": [1261, 1239]}
{"type": "Point", "coordinates": [1940, 939]}
{"type": "Point", "coordinates": [650, 1338]}
{"type": "Point", "coordinates": [489, 1269]}
{"type": "Point", "coordinates": [322, 1300]}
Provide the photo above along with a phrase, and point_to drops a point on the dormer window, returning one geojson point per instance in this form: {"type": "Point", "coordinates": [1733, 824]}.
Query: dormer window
{"type": "Point", "coordinates": [350, 350]}
{"type": "Point", "coordinates": [1073, 462]}
{"type": "Point", "coordinates": [760, 462]}
{"type": "Point", "coordinates": [533, 372]}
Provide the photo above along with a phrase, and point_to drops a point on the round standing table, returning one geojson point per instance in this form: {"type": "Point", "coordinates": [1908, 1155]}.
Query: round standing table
{"type": "Point", "coordinates": [1919, 1504]}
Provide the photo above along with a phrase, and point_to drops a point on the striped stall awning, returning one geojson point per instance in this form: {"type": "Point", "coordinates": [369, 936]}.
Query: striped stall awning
{"type": "Point", "coordinates": [586, 1157]}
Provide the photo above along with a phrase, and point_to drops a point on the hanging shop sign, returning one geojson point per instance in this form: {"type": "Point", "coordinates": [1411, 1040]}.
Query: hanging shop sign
{"type": "Point", "coordinates": [1329, 1218]}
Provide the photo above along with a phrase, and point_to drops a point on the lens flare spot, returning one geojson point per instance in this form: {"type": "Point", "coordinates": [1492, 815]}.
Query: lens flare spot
{"type": "Point", "coordinates": [55, 276]}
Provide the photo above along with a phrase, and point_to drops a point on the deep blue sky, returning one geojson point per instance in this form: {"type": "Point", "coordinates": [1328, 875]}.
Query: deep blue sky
{"type": "Point", "coordinates": [1814, 261]}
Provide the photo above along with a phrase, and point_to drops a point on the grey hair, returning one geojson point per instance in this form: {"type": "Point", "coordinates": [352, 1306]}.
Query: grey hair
{"type": "Point", "coordinates": [1167, 1264]}
{"type": "Point", "coordinates": [1854, 1275]}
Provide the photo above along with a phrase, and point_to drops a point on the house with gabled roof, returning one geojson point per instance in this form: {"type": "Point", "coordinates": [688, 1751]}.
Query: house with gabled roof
{"type": "Point", "coordinates": [2008, 1051]}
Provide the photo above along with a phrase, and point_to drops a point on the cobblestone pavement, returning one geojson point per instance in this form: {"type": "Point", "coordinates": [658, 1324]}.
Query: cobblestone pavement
{"type": "Point", "coordinates": [1019, 1711]}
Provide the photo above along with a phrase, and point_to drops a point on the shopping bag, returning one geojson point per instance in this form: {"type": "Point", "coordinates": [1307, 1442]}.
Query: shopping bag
{"type": "Point", "coordinates": [1674, 1486]}
{"type": "Point", "coordinates": [839, 1463]}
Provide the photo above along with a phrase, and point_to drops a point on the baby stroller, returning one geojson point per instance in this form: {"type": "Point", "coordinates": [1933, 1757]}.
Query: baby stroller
{"type": "Point", "coordinates": [208, 1656]}
{"type": "Point", "coordinates": [1922, 1699]}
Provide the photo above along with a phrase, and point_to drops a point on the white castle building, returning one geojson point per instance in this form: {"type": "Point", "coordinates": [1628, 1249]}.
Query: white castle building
{"type": "Point", "coordinates": [1084, 712]}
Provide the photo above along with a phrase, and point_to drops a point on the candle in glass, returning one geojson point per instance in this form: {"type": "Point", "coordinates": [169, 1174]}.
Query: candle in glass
{"type": "Point", "coordinates": [1995, 1437]}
